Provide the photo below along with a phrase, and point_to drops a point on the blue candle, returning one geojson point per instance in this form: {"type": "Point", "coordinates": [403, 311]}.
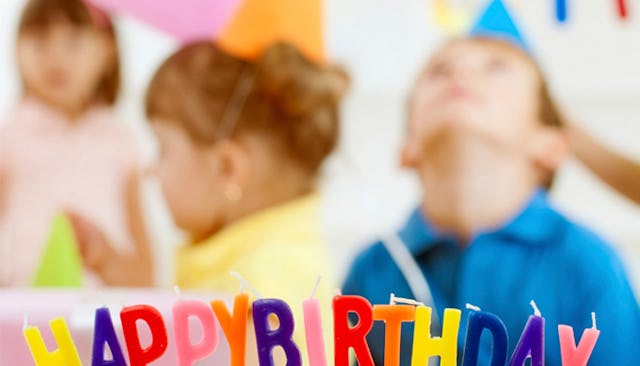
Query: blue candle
{"type": "Point", "coordinates": [479, 321]}
{"type": "Point", "coordinates": [104, 333]}
{"type": "Point", "coordinates": [531, 343]}
{"type": "Point", "coordinates": [267, 338]}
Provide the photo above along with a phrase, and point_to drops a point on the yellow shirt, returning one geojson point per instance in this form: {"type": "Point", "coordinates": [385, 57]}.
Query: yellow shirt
{"type": "Point", "coordinates": [280, 251]}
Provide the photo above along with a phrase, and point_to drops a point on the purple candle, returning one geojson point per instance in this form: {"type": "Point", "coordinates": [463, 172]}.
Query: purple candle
{"type": "Point", "coordinates": [479, 321]}
{"type": "Point", "coordinates": [267, 338]}
{"type": "Point", "coordinates": [104, 333]}
{"type": "Point", "coordinates": [531, 343]}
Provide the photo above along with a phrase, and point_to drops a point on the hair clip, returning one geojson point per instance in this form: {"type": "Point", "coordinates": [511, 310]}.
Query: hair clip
{"type": "Point", "coordinates": [231, 115]}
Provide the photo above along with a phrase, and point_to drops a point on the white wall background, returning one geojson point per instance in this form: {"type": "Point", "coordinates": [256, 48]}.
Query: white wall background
{"type": "Point", "coordinates": [592, 61]}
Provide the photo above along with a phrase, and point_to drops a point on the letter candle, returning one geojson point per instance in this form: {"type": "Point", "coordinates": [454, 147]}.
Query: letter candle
{"type": "Point", "coordinates": [577, 356]}
{"type": "Point", "coordinates": [531, 343]}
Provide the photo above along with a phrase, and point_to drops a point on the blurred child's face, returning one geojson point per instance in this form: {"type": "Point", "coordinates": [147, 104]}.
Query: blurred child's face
{"type": "Point", "coordinates": [62, 63]}
{"type": "Point", "coordinates": [189, 178]}
{"type": "Point", "coordinates": [479, 88]}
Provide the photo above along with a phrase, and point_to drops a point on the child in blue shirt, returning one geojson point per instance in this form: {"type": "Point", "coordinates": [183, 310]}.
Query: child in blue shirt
{"type": "Point", "coordinates": [485, 139]}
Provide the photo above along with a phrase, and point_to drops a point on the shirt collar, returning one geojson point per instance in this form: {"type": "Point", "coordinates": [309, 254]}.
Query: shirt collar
{"type": "Point", "coordinates": [535, 224]}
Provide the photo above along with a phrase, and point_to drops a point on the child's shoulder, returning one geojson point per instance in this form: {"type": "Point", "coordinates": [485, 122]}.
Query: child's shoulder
{"type": "Point", "coordinates": [23, 116]}
{"type": "Point", "coordinates": [583, 248]}
{"type": "Point", "coordinates": [578, 236]}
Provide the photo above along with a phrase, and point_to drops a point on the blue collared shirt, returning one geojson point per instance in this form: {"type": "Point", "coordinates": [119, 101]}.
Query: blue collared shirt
{"type": "Point", "coordinates": [540, 255]}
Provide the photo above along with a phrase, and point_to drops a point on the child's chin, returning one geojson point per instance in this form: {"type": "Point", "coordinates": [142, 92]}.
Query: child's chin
{"type": "Point", "coordinates": [458, 136]}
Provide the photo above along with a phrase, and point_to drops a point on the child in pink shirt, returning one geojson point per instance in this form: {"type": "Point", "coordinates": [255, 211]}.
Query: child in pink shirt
{"type": "Point", "coordinates": [63, 151]}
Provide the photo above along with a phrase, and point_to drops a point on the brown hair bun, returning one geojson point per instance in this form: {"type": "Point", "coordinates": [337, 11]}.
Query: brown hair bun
{"type": "Point", "coordinates": [290, 101]}
{"type": "Point", "coordinates": [307, 96]}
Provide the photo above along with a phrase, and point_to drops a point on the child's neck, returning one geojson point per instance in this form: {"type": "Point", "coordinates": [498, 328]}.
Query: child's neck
{"type": "Point", "coordinates": [285, 186]}
{"type": "Point", "coordinates": [473, 188]}
{"type": "Point", "coordinates": [71, 113]}
{"type": "Point", "coordinates": [261, 194]}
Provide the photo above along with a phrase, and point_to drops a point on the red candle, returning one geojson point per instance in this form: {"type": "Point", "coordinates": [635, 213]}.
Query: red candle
{"type": "Point", "coordinates": [393, 316]}
{"type": "Point", "coordinates": [234, 326]}
{"type": "Point", "coordinates": [139, 356]}
{"type": "Point", "coordinates": [345, 336]}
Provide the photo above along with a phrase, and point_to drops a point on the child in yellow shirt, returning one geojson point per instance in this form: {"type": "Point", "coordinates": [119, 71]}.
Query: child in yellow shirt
{"type": "Point", "coordinates": [241, 147]}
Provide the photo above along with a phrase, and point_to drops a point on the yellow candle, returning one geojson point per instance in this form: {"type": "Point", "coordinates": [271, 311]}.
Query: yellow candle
{"type": "Point", "coordinates": [65, 355]}
{"type": "Point", "coordinates": [426, 346]}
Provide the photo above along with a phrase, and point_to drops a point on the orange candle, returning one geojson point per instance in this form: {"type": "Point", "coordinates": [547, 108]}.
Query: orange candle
{"type": "Point", "coordinates": [393, 317]}
{"type": "Point", "coordinates": [234, 326]}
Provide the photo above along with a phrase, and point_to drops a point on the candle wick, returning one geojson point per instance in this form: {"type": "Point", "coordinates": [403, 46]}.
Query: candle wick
{"type": "Point", "coordinates": [392, 299]}
{"type": "Point", "coordinates": [246, 284]}
{"type": "Point", "coordinates": [536, 311]}
{"type": "Point", "coordinates": [473, 307]}
{"type": "Point", "coordinates": [338, 292]}
{"type": "Point", "coordinates": [593, 320]}
{"type": "Point", "coordinates": [176, 289]}
{"type": "Point", "coordinates": [402, 300]}
{"type": "Point", "coordinates": [315, 287]}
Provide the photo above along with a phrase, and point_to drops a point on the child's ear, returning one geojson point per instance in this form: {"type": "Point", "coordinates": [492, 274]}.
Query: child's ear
{"type": "Point", "coordinates": [550, 148]}
{"type": "Point", "coordinates": [232, 163]}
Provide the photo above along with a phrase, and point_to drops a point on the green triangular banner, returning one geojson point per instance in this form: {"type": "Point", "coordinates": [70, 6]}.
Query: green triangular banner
{"type": "Point", "coordinates": [61, 265]}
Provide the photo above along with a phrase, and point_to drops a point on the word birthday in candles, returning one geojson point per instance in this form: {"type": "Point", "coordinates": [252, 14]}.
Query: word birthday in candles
{"type": "Point", "coordinates": [347, 336]}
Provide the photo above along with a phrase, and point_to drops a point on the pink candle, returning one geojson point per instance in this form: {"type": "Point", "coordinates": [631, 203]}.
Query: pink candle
{"type": "Point", "coordinates": [189, 353]}
{"type": "Point", "coordinates": [313, 332]}
{"type": "Point", "coordinates": [577, 356]}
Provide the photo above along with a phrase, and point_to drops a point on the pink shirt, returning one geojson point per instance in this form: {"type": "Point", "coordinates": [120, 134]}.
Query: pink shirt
{"type": "Point", "coordinates": [48, 165]}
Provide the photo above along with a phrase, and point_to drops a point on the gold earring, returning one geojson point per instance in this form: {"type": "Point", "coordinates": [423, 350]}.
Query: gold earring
{"type": "Point", "coordinates": [234, 193]}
